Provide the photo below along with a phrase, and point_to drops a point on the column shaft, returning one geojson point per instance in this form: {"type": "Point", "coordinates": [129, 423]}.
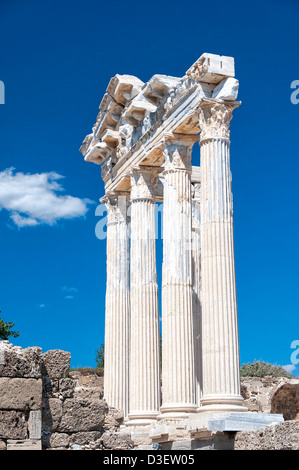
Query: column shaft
{"type": "Point", "coordinates": [196, 277]}
{"type": "Point", "coordinates": [145, 337]}
{"type": "Point", "coordinates": [116, 370]}
{"type": "Point", "coordinates": [220, 344]}
{"type": "Point", "coordinates": [178, 374]}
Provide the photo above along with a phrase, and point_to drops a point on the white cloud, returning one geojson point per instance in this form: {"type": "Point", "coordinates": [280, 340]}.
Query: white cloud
{"type": "Point", "coordinates": [33, 199]}
{"type": "Point", "coordinates": [69, 289]}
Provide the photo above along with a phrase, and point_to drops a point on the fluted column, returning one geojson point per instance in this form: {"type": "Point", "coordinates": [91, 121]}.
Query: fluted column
{"type": "Point", "coordinates": [178, 369]}
{"type": "Point", "coordinates": [196, 277]}
{"type": "Point", "coordinates": [117, 318]}
{"type": "Point", "coordinates": [220, 344]}
{"type": "Point", "coordinates": [145, 339]}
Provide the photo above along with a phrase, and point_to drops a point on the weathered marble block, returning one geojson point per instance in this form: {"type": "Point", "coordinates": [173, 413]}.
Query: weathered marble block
{"type": "Point", "coordinates": [227, 89]}
{"type": "Point", "coordinates": [27, 444]}
{"type": "Point", "coordinates": [243, 421]}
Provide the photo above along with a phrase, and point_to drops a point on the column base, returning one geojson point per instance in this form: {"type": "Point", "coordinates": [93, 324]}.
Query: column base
{"type": "Point", "coordinates": [222, 403]}
{"type": "Point", "coordinates": [176, 411]}
{"type": "Point", "coordinates": [141, 418]}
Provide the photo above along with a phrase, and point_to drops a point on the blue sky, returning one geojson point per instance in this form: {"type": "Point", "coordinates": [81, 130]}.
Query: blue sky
{"type": "Point", "coordinates": [56, 60]}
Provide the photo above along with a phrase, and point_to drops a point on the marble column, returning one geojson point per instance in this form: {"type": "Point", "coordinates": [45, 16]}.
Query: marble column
{"type": "Point", "coordinates": [145, 338]}
{"type": "Point", "coordinates": [220, 344]}
{"type": "Point", "coordinates": [178, 368]}
{"type": "Point", "coordinates": [196, 277]}
{"type": "Point", "coordinates": [117, 318]}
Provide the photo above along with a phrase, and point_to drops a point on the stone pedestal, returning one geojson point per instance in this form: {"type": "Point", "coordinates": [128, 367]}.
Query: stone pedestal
{"type": "Point", "coordinates": [220, 344]}
{"type": "Point", "coordinates": [116, 373]}
{"type": "Point", "coordinates": [145, 338]}
{"type": "Point", "coordinates": [178, 373]}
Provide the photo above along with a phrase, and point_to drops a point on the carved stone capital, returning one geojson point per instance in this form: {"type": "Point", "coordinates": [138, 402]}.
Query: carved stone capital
{"type": "Point", "coordinates": [177, 151]}
{"type": "Point", "coordinates": [143, 182]}
{"type": "Point", "coordinates": [214, 120]}
{"type": "Point", "coordinates": [116, 205]}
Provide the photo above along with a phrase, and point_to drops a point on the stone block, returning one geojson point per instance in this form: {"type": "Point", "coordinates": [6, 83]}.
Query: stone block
{"type": "Point", "coordinates": [88, 393]}
{"type": "Point", "coordinates": [18, 362]}
{"type": "Point", "coordinates": [66, 388]}
{"type": "Point", "coordinates": [82, 415]}
{"type": "Point", "coordinates": [2, 445]}
{"type": "Point", "coordinates": [226, 90]}
{"type": "Point", "coordinates": [51, 414]}
{"type": "Point", "coordinates": [35, 424]}
{"type": "Point", "coordinates": [218, 442]}
{"type": "Point", "coordinates": [280, 436]}
{"type": "Point", "coordinates": [84, 438]}
{"type": "Point", "coordinates": [116, 440]}
{"type": "Point", "coordinates": [56, 363]}
{"type": "Point", "coordinates": [242, 421]}
{"type": "Point", "coordinates": [211, 68]}
{"type": "Point", "coordinates": [113, 419]}
{"type": "Point", "coordinates": [27, 444]}
{"type": "Point", "coordinates": [20, 393]}
{"type": "Point", "coordinates": [50, 387]}
{"type": "Point", "coordinates": [13, 424]}
{"type": "Point", "coordinates": [57, 440]}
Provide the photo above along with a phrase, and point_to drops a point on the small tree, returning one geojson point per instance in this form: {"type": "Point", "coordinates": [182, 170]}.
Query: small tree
{"type": "Point", "coordinates": [5, 330]}
{"type": "Point", "coordinates": [100, 356]}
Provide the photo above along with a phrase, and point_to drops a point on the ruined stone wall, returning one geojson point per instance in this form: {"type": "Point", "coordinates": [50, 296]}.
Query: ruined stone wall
{"type": "Point", "coordinates": [280, 436]}
{"type": "Point", "coordinates": [272, 395]}
{"type": "Point", "coordinates": [42, 406]}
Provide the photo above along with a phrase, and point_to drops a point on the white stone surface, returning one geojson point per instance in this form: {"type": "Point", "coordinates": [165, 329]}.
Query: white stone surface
{"type": "Point", "coordinates": [227, 89]}
{"type": "Point", "coordinates": [35, 424]}
{"type": "Point", "coordinates": [243, 421]}
{"type": "Point", "coordinates": [178, 374]}
{"type": "Point", "coordinates": [220, 343]}
{"type": "Point", "coordinates": [212, 68]}
{"type": "Point", "coordinates": [196, 279]}
{"type": "Point", "coordinates": [27, 444]}
{"type": "Point", "coordinates": [116, 372]}
{"type": "Point", "coordinates": [144, 339]}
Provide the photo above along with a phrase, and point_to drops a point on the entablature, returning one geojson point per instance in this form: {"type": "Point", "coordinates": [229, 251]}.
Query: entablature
{"type": "Point", "coordinates": [136, 118]}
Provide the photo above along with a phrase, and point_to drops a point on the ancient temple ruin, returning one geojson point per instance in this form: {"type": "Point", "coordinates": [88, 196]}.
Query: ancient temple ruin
{"type": "Point", "coordinates": [143, 140]}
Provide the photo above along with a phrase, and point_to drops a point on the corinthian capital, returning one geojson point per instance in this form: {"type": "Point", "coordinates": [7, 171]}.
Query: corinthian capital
{"type": "Point", "coordinates": [116, 205]}
{"type": "Point", "coordinates": [177, 151]}
{"type": "Point", "coordinates": [143, 183]}
{"type": "Point", "coordinates": [214, 120]}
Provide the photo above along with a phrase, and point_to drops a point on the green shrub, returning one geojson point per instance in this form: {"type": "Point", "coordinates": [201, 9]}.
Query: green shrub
{"type": "Point", "coordinates": [262, 369]}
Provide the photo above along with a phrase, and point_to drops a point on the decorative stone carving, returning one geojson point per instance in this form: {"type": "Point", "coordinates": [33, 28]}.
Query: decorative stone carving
{"type": "Point", "coordinates": [143, 183]}
{"type": "Point", "coordinates": [211, 68]}
{"type": "Point", "coordinates": [124, 88]}
{"type": "Point", "coordinates": [214, 120]}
